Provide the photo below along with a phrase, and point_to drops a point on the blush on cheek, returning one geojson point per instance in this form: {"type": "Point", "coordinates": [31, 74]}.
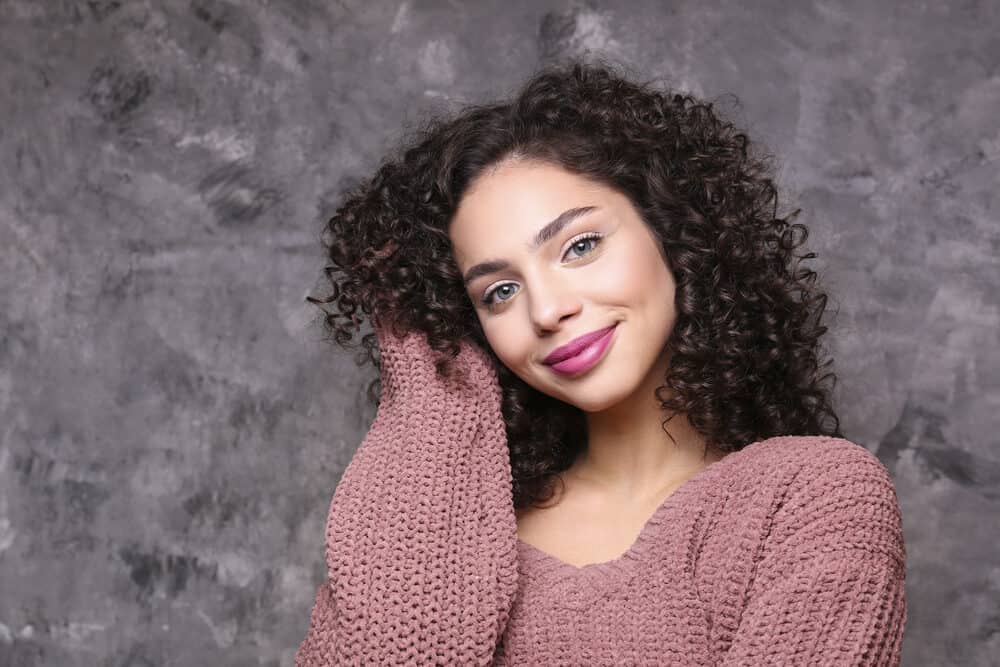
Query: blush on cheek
{"type": "Point", "coordinates": [625, 280]}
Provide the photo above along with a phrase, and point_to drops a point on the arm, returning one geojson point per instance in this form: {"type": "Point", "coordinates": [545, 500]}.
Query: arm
{"type": "Point", "coordinates": [829, 587]}
{"type": "Point", "coordinates": [421, 535]}
{"type": "Point", "coordinates": [319, 646]}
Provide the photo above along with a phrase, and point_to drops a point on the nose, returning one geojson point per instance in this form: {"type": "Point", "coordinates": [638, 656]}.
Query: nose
{"type": "Point", "coordinates": [551, 304]}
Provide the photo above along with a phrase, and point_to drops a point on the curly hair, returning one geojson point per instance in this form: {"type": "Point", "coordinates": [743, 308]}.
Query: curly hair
{"type": "Point", "coordinates": [746, 360]}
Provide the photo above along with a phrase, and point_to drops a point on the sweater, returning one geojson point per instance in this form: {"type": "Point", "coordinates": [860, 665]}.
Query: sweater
{"type": "Point", "coordinates": [788, 551]}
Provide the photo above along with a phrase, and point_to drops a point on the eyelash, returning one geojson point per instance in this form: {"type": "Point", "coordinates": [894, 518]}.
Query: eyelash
{"type": "Point", "coordinates": [487, 298]}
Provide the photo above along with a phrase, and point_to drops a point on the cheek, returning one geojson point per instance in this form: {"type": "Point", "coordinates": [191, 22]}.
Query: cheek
{"type": "Point", "coordinates": [502, 341]}
{"type": "Point", "coordinates": [630, 277]}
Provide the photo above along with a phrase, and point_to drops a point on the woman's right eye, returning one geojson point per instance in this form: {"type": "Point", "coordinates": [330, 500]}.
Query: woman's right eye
{"type": "Point", "coordinates": [487, 299]}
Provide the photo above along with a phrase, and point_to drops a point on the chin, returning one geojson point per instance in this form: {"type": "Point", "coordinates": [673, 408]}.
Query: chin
{"type": "Point", "coordinates": [598, 404]}
{"type": "Point", "coordinates": [601, 396]}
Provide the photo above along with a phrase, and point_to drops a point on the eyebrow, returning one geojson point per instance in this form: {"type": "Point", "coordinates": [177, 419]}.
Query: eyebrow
{"type": "Point", "coordinates": [543, 235]}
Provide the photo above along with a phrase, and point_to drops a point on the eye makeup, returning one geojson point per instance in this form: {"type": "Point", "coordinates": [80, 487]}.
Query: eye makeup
{"type": "Point", "coordinates": [487, 298]}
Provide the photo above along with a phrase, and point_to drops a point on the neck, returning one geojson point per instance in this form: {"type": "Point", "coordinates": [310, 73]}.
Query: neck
{"type": "Point", "coordinates": [630, 456]}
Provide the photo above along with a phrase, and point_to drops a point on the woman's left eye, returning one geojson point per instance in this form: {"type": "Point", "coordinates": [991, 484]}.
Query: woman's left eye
{"type": "Point", "coordinates": [585, 239]}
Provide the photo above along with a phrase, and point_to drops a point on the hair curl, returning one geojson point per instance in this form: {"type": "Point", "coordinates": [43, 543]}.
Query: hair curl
{"type": "Point", "coordinates": [746, 356]}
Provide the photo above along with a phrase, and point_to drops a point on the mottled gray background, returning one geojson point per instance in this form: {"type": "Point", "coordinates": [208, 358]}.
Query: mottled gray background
{"type": "Point", "coordinates": [172, 425]}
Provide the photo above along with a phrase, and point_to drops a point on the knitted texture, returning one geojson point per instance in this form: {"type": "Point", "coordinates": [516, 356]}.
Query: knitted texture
{"type": "Point", "coordinates": [787, 552]}
{"type": "Point", "coordinates": [421, 537]}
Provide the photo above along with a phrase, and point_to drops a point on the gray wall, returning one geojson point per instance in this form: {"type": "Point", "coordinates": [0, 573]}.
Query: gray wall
{"type": "Point", "coordinates": [172, 425]}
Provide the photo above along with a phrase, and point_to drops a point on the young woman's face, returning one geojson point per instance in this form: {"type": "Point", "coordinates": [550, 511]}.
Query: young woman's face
{"type": "Point", "coordinates": [603, 268]}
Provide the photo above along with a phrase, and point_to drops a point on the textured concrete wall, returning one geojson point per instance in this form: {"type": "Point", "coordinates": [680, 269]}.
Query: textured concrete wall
{"type": "Point", "coordinates": [172, 426]}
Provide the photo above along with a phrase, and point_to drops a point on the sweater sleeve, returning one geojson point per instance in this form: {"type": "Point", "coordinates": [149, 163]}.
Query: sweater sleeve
{"type": "Point", "coordinates": [421, 535]}
{"type": "Point", "coordinates": [829, 586]}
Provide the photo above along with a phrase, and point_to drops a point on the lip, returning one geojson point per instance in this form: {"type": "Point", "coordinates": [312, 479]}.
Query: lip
{"type": "Point", "coordinates": [586, 358]}
{"type": "Point", "coordinates": [576, 346]}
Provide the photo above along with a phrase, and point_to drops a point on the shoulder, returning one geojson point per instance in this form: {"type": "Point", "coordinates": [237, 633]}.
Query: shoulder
{"type": "Point", "coordinates": [821, 488]}
{"type": "Point", "coordinates": [808, 451]}
{"type": "Point", "coordinates": [801, 461]}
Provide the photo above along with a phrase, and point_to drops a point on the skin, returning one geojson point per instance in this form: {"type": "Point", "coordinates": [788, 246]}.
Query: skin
{"type": "Point", "coordinates": [567, 287]}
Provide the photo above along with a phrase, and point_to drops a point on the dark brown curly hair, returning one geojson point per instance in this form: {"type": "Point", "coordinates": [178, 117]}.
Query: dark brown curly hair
{"type": "Point", "coordinates": [746, 359]}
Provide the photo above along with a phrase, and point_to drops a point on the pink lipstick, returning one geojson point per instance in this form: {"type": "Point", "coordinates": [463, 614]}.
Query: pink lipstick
{"type": "Point", "coordinates": [581, 353]}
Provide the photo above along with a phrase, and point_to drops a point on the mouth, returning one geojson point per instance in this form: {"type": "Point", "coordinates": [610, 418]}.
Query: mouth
{"type": "Point", "coordinates": [577, 345]}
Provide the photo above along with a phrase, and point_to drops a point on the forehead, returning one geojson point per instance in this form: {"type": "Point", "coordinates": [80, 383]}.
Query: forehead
{"type": "Point", "coordinates": [517, 199]}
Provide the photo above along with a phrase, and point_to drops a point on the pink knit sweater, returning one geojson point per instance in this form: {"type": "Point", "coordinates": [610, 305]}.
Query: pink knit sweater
{"type": "Point", "coordinates": [787, 552]}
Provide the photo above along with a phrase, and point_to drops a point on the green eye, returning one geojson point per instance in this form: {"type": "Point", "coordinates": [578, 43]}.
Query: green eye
{"type": "Point", "coordinates": [582, 240]}
{"type": "Point", "coordinates": [593, 236]}
{"type": "Point", "coordinates": [488, 297]}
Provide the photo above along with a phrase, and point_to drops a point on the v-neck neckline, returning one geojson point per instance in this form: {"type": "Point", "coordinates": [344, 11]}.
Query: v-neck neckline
{"type": "Point", "coordinates": [625, 561]}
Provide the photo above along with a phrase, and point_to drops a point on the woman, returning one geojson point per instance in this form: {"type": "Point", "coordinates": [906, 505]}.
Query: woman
{"type": "Point", "coordinates": [605, 435]}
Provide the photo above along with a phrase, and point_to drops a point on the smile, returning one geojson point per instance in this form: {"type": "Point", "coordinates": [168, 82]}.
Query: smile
{"type": "Point", "coordinates": [587, 357]}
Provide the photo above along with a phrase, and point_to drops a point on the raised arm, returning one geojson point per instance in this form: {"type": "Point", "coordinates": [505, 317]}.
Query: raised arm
{"type": "Point", "coordinates": [829, 588]}
{"type": "Point", "coordinates": [421, 535]}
